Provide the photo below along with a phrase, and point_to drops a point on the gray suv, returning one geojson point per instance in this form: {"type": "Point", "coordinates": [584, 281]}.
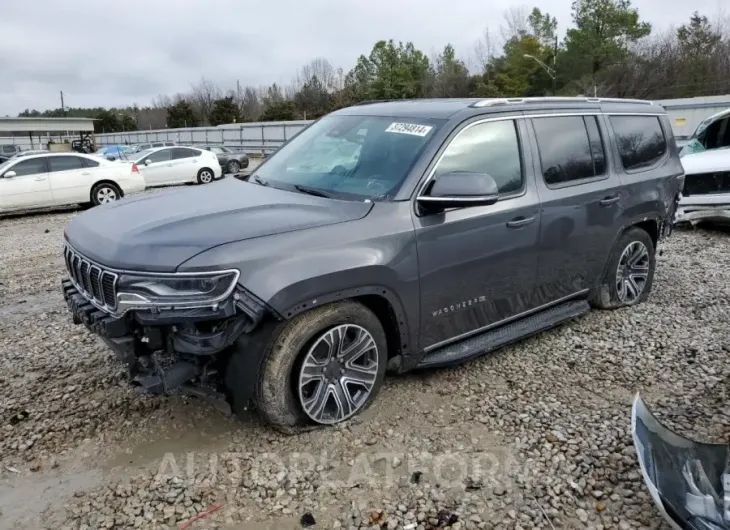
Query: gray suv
{"type": "Point", "coordinates": [388, 236]}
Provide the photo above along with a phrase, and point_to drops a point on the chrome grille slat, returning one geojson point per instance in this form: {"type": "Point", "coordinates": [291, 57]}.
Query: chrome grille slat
{"type": "Point", "coordinates": [94, 282]}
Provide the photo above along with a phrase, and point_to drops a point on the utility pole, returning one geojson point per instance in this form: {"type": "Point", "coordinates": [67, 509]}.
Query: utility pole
{"type": "Point", "coordinates": [555, 62]}
{"type": "Point", "coordinates": [63, 109]}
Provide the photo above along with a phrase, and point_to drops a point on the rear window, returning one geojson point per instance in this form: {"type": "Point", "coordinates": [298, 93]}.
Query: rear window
{"type": "Point", "coordinates": [640, 139]}
{"type": "Point", "coordinates": [570, 148]}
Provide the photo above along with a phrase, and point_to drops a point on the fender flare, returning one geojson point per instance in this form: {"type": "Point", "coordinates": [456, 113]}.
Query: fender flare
{"type": "Point", "coordinates": [401, 318]}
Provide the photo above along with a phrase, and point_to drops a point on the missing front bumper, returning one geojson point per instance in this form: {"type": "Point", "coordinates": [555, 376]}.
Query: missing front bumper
{"type": "Point", "coordinates": [714, 208]}
{"type": "Point", "coordinates": [689, 481]}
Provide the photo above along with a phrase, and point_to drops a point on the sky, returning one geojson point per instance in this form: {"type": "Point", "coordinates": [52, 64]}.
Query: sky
{"type": "Point", "coordinates": [112, 53]}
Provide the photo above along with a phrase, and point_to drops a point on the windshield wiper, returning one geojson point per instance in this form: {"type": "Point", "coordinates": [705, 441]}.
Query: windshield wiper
{"type": "Point", "coordinates": [313, 191]}
{"type": "Point", "coordinates": [258, 180]}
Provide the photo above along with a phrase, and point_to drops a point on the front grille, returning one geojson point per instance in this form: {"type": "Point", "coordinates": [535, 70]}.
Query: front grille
{"type": "Point", "coordinates": [95, 283]}
{"type": "Point", "coordinates": [706, 183]}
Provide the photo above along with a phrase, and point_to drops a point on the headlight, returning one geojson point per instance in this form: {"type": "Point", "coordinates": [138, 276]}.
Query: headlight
{"type": "Point", "coordinates": [176, 290]}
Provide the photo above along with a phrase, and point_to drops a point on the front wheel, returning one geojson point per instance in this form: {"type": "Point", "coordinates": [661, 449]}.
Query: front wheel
{"type": "Point", "coordinates": [324, 367]}
{"type": "Point", "coordinates": [629, 272]}
{"type": "Point", "coordinates": [205, 176]}
{"type": "Point", "coordinates": [104, 193]}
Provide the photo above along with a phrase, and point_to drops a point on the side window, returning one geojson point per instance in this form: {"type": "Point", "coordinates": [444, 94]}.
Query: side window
{"type": "Point", "coordinates": [64, 163]}
{"type": "Point", "coordinates": [87, 162]}
{"type": "Point", "coordinates": [182, 152]}
{"type": "Point", "coordinates": [29, 167]}
{"type": "Point", "coordinates": [491, 147]}
{"type": "Point", "coordinates": [163, 155]}
{"type": "Point", "coordinates": [640, 140]}
{"type": "Point", "coordinates": [570, 148]}
{"type": "Point", "coordinates": [10, 149]}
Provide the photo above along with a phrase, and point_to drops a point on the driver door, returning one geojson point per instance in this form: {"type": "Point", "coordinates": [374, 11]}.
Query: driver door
{"type": "Point", "coordinates": [478, 265]}
{"type": "Point", "coordinates": [29, 188]}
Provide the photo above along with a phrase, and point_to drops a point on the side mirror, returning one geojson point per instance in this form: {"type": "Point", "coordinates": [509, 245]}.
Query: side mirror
{"type": "Point", "coordinates": [459, 189]}
{"type": "Point", "coordinates": [10, 174]}
{"type": "Point", "coordinates": [147, 162]}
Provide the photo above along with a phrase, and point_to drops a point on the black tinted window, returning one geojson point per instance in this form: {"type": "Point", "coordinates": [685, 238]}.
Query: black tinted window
{"type": "Point", "coordinates": [566, 153]}
{"type": "Point", "coordinates": [162, 155]}
{"type": "Point", "coordinates": [640, 140]}
{"type": "Point", "coordinates": [31, 166]}
{"type": "Point", "coordinates": [64, 163]}
{"type": "Point", "coordinates": [182, 152]}
{"type": "Point", "coordinates": [8, 149]}
{"type": "Point", "coordinates": [492, 148]}
{"type": "Point", "coordinates": [87, 162]}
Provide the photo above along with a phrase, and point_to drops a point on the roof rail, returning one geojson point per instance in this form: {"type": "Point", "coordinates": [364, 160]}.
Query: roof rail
{"type": "Point", "coordinates": [553, 99]}
{"type": "Point", "coordinates": [371, 101]}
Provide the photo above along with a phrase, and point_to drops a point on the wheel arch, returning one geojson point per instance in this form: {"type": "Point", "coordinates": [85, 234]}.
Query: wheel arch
{"type": "Point", "coordinates": [104, 181]}
{"type": "Point", "coordinates": [381, 300]}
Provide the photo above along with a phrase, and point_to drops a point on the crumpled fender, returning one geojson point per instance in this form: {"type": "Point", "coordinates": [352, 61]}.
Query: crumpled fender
{"type": "Point", "coordinates": [689, 481]}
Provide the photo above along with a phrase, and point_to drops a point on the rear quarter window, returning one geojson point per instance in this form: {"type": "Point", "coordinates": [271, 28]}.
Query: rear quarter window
{"type": "Point", "coordinates": [640, 140]}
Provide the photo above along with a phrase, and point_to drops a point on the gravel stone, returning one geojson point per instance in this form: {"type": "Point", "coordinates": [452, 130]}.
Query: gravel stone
{"type": "Point", "coordinates": [538, 430]}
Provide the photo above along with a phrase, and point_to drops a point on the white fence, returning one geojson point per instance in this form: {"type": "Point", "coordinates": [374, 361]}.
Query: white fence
{"type": "Point", "coordinates": [262, 137]}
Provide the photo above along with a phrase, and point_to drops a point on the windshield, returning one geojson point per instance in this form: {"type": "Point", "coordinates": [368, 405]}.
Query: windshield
{"type": "Point", "coordinates": [356, 157]}
{"type": "Point", "coordinates": [5, 164]}
{"type": "Point", "coordinates": [141, 155]}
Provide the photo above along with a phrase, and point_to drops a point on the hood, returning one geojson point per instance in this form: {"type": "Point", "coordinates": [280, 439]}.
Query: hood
{"type": "Point", "coordinates": [159, 232]}
{"type": "Point", "coordinates": [710, 161]}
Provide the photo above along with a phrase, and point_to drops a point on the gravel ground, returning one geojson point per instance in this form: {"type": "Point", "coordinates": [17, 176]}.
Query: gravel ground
{"type": "Point", "coordinates": [536, 435]}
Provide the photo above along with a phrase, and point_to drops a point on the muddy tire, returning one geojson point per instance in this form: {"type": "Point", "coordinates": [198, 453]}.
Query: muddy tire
{"type": "Point", "coordinates": [629, 272]}
{"type": "Point", "coordinates": [304, 350]}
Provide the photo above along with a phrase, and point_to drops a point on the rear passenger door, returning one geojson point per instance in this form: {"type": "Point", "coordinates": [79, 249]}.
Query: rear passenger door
{"type": "Point", "coordinates": [580, 201]}
{"type": "Point", "coordinates": [70, 180]}
{"type": "Point", "coordinates": [185, 164]}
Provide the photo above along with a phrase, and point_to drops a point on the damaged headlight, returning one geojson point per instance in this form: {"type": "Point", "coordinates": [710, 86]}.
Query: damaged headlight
{"type": "Point", "coordinates": [174, 290]}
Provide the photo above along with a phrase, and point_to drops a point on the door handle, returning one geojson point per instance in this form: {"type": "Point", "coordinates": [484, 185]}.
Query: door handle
{"type": "Point", "coordinates": [86, 172]}
{"type": "Point", "coordinates": [519, 222]}
{"type": "Point", "coordinates": [39, 179]}
{"type": "Point", "coordinates": [608, 201]}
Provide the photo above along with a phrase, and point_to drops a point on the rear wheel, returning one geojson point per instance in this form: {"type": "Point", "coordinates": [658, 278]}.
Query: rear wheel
{"type": "Point", "coordinates": [105, 192]}
{"type": "Point", "coordinates": [325, 366]}
{"type": "Point", "coordinates": [629, 273]}
{"type": "Point", "coordinates": [234, 166]}
{"type": "Point", "coordinates": [205, 176]}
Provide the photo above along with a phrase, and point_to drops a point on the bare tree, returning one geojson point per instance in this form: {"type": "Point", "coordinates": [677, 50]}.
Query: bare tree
{"type": "Point", "coordinates": [516, 23]}
{"type": "Point", "coordinates": [202, 96]}
{"type": "Point", "coordinates": [485, 51]}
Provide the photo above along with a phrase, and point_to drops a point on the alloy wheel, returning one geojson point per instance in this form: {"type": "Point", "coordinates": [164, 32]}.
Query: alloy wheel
{"type": "Point", "coordinates": [632, 272]}
{"type": "Point", "coordinates": [338, 374]}
{"type": "Point", "coordinates": [105, 195]}
{"type": "Point", "coordinates": [206, 177]}
{"type": "Point", "coordinates": [233, 166]}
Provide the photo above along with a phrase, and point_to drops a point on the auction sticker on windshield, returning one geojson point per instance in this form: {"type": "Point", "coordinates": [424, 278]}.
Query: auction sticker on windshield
{"type": "Point", "coordinates": [409, 128]}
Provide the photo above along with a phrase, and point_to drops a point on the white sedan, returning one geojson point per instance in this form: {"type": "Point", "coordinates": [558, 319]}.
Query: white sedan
{"type": "Point", "coordinates": [59, 179]}
{"type": "Point", "coordinates": [177, 165]}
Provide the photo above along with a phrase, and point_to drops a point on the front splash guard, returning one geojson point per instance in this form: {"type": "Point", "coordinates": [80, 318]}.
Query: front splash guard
{"type": "Point", "coordinates": [689, 481]}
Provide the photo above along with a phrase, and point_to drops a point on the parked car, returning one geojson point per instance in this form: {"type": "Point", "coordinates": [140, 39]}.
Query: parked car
{"type": "Point", "coordinates": [152, 145]}
{"type": "Point", "coordinates": [178, 165]}
{"type": "Point", "coordinates": [706, 191]}
{"type": "Point", "coordinates": [712, 133]}
{"type": "Point", "coordinates": [230, 160]}
{"type": "Point", "coordinates": [8, 150]}
{"type": "Point", "coordinates": [464, 225]}
{"type": "Point", "coordinates": [30, 152]}
{"type": "Point", "coordinates": [57, 179]}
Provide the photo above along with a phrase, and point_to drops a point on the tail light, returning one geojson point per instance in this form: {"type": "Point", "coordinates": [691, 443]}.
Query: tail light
{"type": "Point", "coordinates": [135, 169]}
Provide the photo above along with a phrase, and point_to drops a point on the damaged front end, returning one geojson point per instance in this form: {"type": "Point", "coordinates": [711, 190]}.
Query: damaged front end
{"type": "Point", "coordinates": [174, 331]}
{"type": "Point", "coordinates": [706, 190]}
{"type": "Point", "coordinates": [689, 481]}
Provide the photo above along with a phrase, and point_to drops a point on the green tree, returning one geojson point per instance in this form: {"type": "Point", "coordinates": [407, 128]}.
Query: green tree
{"type": "Point", "coordinates": [603, 31]}
{"type": "Point", "coordinates": [313, 99]}
{"type": "Point", "coordinates": [390, 72]}
{"type": "Point", "coordinates": [698, 38]}
{"type": "Point", "coordinates": [451, 76]}
{"type": "Point", "coordinates": [106, 121]}
{"type": "Point", "coordinates": [181, 114]}
{"type": "Point", "coordinates": [281, 111]}
{"type": "Point", "coordinates": [224, 111]}
{"type": "Point", "coordinates": [128, 123]}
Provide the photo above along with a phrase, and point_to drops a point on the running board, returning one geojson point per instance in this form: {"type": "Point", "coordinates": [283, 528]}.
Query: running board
{"type": "Point", "coordinates": [504, 335]}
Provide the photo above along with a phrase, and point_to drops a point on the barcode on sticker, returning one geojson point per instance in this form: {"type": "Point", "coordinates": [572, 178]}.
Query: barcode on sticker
{"type": "Point", "coordinates": [409, 128]}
